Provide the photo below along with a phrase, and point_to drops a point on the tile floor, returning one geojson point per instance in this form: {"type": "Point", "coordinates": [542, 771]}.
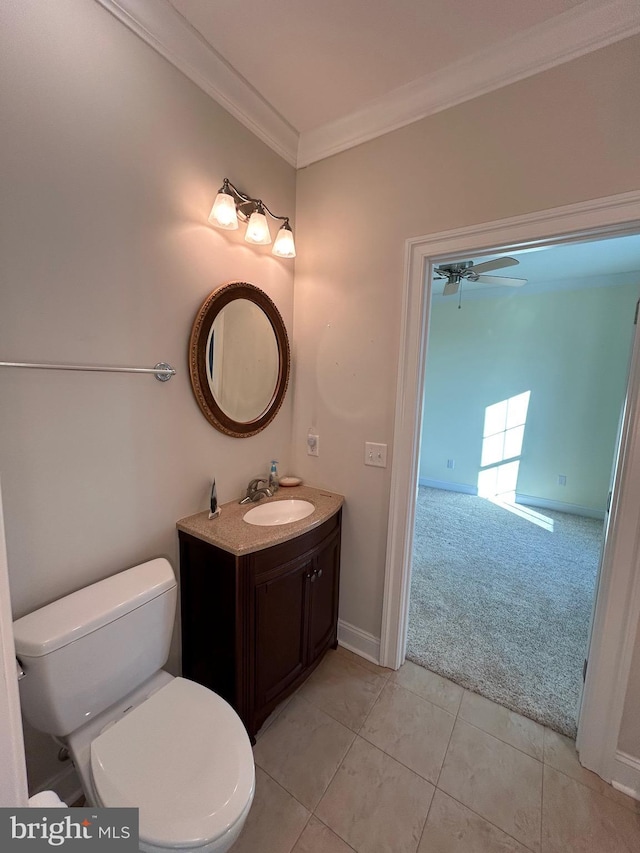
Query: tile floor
{"type": "Point", "coordinates": [369, 760]}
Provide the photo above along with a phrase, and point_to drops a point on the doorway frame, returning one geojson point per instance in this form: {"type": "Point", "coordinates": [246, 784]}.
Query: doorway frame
{"type": "Point", "coordinates": [617, 609]}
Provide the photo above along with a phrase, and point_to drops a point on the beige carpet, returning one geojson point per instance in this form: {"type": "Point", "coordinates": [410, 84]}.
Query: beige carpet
{"type": "Point", "coordinates": [501, 605]}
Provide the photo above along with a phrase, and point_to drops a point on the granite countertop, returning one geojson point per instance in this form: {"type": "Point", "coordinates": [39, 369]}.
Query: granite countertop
{"type": "Point", "coordinates": [231, 533]}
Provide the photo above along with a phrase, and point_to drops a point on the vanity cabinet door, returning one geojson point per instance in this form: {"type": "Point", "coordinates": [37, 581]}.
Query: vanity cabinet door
{"type": "Point", "coordinates": [280, 603]}
{"type": "Point", "coordinates": [255, 625]}
{"type": "Point", "coordinates": [322, 614]}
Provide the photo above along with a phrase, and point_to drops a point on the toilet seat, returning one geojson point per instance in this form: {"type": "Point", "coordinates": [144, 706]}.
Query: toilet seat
{"type": "Point", "coordinates": [184, 759]}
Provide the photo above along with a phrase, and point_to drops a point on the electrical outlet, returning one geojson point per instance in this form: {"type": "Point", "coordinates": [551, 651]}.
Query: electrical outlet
{"type": "Point", "coordinates": [313, 444]}
{"type": "Point", "coordinates": [451, 463]}
{"type": "Point", "coordinates": [375, 454]}
{"type": "Point", "coordinates": [562, 479]}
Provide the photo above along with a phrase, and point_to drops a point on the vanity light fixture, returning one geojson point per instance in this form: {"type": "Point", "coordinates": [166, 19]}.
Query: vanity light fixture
{"type": "Point", "coordinates": [231, 205]}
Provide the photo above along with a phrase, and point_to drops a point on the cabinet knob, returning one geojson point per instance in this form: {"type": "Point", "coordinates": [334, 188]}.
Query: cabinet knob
{"type": "Point", "coordinates": [319, 573]}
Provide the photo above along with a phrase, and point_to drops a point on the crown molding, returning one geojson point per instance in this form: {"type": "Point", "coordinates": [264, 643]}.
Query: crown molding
{"type": "Point", "coordinates": [574, 33]}
{"type": "Point", "coordinates": [158, 24]}
{"type": "Point", "coordinates": [591, 25]}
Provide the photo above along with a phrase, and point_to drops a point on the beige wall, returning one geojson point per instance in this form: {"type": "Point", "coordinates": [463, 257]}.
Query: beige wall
{"type": "Point", "coordinates": [110, 161]}
{"type": "Point", "coordinates": [561, 137]}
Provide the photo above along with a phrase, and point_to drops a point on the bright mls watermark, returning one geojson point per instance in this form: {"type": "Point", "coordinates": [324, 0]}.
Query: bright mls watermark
{"type": "Point", "coordinates": [69, 829]}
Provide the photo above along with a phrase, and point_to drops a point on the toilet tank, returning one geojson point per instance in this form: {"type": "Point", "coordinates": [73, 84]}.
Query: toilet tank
{"type": "Point", "coordinates": [90, 649]}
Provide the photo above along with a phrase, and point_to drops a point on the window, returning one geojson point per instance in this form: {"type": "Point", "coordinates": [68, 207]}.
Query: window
{"type": "Point", "coordinates": [502, 438]}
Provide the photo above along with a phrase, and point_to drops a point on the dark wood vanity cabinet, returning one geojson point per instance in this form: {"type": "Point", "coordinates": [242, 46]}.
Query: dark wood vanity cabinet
{"type": "Point", "coordinates": [254, 626]}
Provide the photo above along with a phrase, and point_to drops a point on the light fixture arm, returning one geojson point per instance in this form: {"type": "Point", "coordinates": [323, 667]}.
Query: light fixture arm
{"type": "Point", "coordinates": [255, 204]}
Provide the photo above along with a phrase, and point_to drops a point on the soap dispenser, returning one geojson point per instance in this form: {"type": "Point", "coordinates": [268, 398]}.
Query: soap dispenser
{"type": "Point", "coordinates": [274, 480]}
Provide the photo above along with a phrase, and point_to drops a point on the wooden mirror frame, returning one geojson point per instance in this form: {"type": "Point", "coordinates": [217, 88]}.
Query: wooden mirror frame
{"type": "Point", "coordinates": [211, 307]}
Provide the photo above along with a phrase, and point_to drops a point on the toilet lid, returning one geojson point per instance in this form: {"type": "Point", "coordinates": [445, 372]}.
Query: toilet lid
{"type": "Point", "coordinates": [183, 758]}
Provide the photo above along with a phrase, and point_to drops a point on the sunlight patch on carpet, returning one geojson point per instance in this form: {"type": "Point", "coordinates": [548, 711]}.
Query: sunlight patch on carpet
{"type": "Point", "coordinates": [525, 512]}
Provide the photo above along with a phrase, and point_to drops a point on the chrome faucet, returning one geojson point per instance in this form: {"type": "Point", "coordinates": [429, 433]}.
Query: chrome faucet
{"type": "Point", "coordinates": [255, 492]}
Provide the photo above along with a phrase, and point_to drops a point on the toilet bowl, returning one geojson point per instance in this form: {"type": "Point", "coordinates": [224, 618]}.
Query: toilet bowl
{"type": "Point", "coordinates": [138, 736]}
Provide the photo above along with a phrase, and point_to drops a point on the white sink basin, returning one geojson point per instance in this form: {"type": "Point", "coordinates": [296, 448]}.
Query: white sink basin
{"type": "Point", "coordinates": [279, 512]}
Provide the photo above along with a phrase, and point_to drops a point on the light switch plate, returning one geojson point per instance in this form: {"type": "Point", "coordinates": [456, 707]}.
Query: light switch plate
{"type": "Point", "coordinates": [375, 454]}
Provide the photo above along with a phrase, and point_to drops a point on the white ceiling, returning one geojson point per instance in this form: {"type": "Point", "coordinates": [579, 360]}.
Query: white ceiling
{"type": "Point", "coordinates": [315, 62]}
{"type": "Point", "coordinates": [314, 77]}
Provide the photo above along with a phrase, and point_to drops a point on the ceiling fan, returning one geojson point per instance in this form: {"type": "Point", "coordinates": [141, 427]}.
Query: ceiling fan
{"type": "Point", "coordinates": [455, 273]}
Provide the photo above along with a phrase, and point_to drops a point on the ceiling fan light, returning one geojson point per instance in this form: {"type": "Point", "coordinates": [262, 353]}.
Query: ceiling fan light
{"type": "Point", "coordinates": [223, 213]}
{"type": "Point", "coordinates": [284, 246]}
{"type": "Point", "coordinates": [258, 230]}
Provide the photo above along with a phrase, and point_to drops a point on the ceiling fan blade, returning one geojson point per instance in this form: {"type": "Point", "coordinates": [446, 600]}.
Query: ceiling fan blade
{"type": "Point", "coordinates": [498, 264]}
{"type": "Point", "coordinates": [498, 279]}
{"type": "Point", "coordinates": [450, 288]}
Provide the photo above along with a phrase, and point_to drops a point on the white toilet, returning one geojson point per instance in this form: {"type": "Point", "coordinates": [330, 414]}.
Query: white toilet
{"type": "Point", "coordinates": [138, 736]}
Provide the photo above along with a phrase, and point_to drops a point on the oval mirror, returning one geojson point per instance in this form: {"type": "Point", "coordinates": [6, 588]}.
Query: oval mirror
{"type": "Point", "coordinates": [239, 359]}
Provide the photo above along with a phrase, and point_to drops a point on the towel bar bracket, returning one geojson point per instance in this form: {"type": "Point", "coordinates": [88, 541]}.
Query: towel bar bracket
{"type": "Point", "coordinates": [164, 371]}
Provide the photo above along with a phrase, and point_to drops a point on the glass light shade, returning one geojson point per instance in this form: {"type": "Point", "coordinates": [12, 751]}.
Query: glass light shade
{"type": "Point", "coordinates": [223, 213]}
{"type": "Point", "coordinates": [284, 247]}
{"type": "Point", "coordinates": [258, 230]}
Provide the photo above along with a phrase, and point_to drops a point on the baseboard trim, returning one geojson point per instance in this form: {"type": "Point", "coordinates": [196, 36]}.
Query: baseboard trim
{"type": "Point", "coordinates": [66, 784]}
{"type": "Point", "coordinates": [559, 506]}
{"type": "Point", "coordinates": [358, 641]}
{"type": "Point", "coordinates": [626, 774]}
{"type": "Point", "coordinates": [525, 500]}
{"type": "Point", "coordinates": [463, 488]}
